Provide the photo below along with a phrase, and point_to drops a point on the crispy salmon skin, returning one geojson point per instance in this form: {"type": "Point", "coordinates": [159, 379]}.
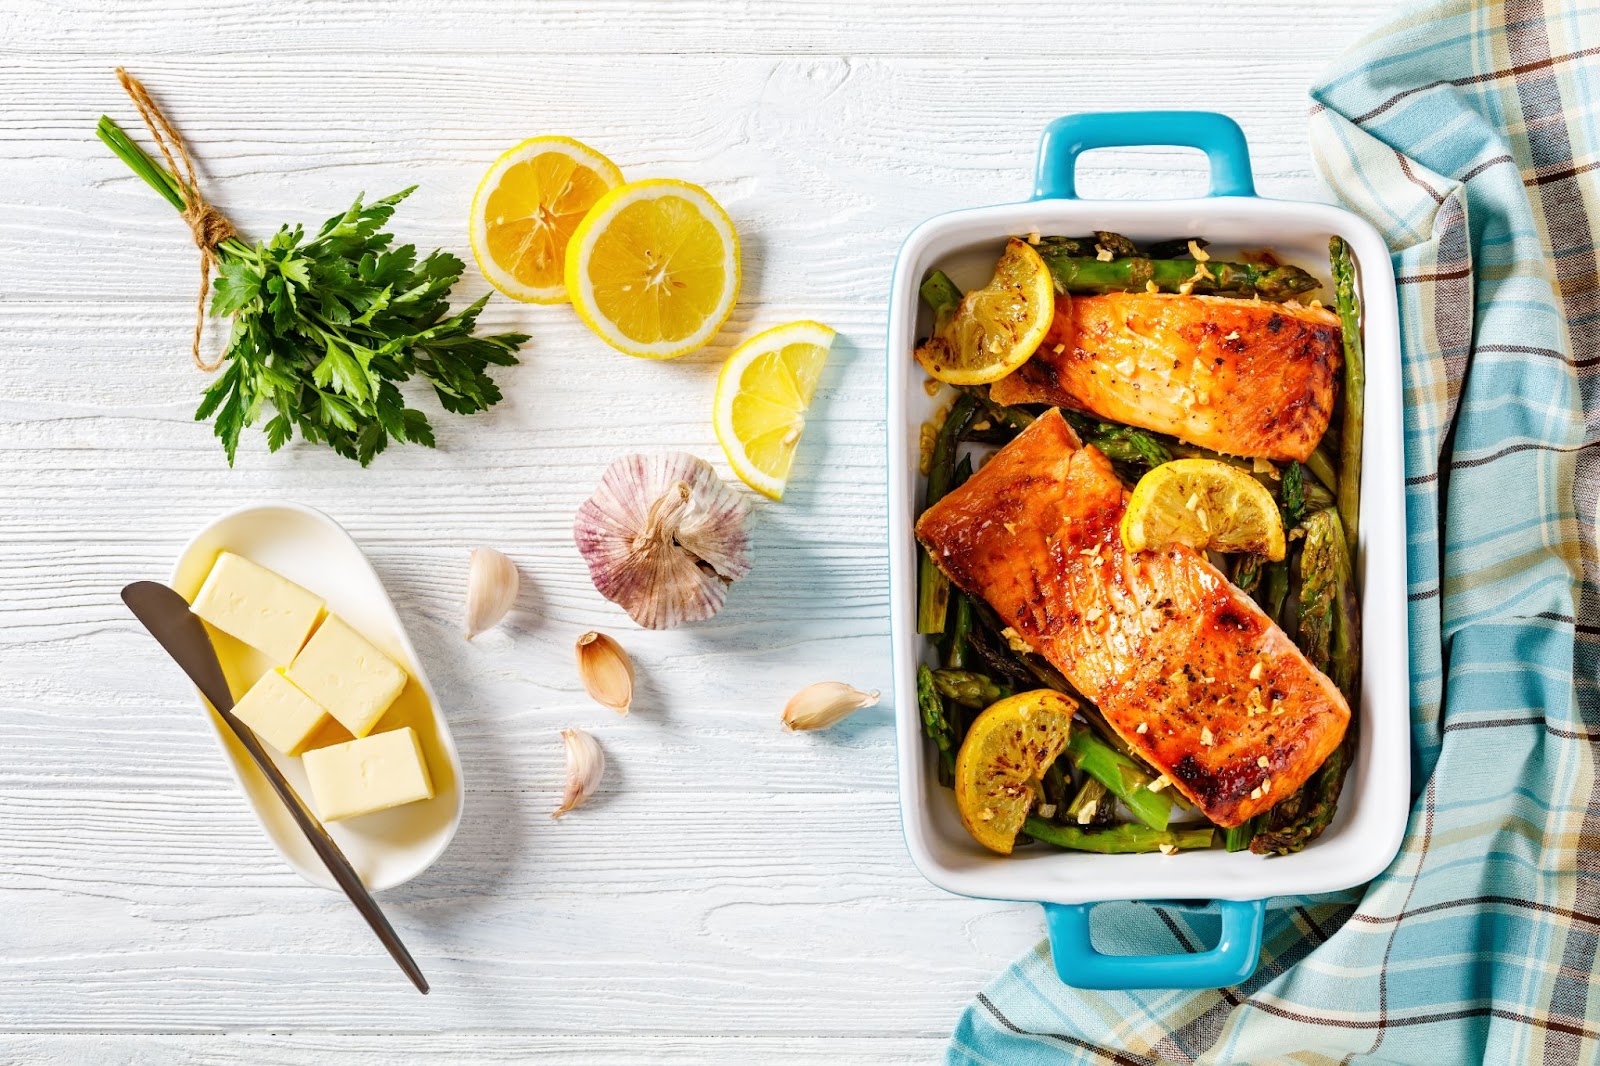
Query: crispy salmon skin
{"type": "Point", "coordinates": [1236, 376]}
{"type": "Point", "coordinates": [1185, 667]}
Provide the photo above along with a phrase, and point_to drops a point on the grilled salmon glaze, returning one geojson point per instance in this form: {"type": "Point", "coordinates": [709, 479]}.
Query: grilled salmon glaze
{"type": "Point", "coordinates": [1235, 376]}
{"type": "Point", "coordinates": [1185, 667]}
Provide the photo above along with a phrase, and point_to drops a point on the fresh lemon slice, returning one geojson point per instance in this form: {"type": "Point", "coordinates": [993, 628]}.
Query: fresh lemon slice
{"type": "Point", "coordinates": [526, 210]}
{"type": "Point", "coordinates": [654, 268]}
{"type": "Point", "coordinates": [1205, 504]}
{"type": "Point", "coordinates": [762, 395]}
{"type": "Point", "coordinates": [996, 328]}
{"type": "Point", "coordinates": [1006, 752]}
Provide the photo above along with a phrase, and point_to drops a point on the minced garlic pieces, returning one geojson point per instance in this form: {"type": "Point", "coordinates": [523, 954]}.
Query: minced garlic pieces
{"type": "Point", "coordinates": [1207, 738]}
{"type": "Point", "coordinates": [1200, 255]}
{"type": "Point", "coordinates": [1159, 783]}
{"type": "Point", "coordinates": [1167, 849]}
{"type": "Point", "coordinates": [1015, 641]}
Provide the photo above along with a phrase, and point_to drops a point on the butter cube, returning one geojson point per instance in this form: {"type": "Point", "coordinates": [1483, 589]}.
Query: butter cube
{"type": "Point", "coordinates": [252, 603]}
{"type": "Point", "coordinates": [279, 713]}
{"type": "Point", "coordinates": [373, 773]}
{"type": "Point", "coordinates": [341, 670]}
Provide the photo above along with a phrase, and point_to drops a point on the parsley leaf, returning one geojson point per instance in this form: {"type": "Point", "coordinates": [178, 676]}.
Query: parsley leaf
{"type": "Point", "coordinates": [327, 328]}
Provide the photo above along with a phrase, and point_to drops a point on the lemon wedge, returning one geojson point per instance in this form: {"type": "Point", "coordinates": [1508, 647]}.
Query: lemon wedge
{"type": "Point", "coordinates": [654, 268]}
{"type": "Point", "coordinates": [1006, 751]}
{"type": "Point", "coordinates": [1206, 504]}
{"type": "Point", "coordinates": [994, 329]}
{"type": "Point", "coordinates": [527, 208]}
{"type": "Point", "coordinates": [763, 392]}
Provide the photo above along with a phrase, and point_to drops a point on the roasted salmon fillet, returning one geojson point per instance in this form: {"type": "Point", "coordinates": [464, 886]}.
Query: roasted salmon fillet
{"type": "Point", "coordinates": [1236, 376]}
{"type": "Point", "coordinates": [1185, 667]}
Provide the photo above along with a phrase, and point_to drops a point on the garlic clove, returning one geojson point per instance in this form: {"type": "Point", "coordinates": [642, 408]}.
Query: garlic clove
{"type": "Point", "coordinates": [606, 671]}
{"type": "Point", "coordinates": [664, 537]}
{"type": "Point", "coordinates": [586, 764]}
{"type": "Point", "coordinates": [492, 583]}
{"type": "Point", "coordinates": [824, 704]}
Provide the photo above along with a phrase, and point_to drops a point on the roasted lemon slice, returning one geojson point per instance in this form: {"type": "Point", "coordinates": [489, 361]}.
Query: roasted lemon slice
{"type": "Point", "coordinates": [762, 395]}
{"type": "Point", "coordinates": [527, 208]}
{"type": "Point", "coordinates": [1205, 504]}
{"type": "Point", "coordinates": [1006, 752]}
{"type": "Point", "coordinates": [654, 268]}
{"type": "Point", "coordinates": [996, 328]}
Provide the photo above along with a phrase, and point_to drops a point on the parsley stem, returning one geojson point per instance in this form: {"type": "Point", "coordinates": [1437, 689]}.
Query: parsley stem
{"type": "Point", "coordinates": [153, 173]}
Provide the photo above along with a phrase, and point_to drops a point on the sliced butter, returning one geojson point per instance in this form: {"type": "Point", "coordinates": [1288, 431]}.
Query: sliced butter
{"type": "Point", "coordinates": [341, 670]}
{"type": "Point", "coordinates": [370, 774]}
{"type": "Point", "coordinates": [250, 602]}
{"type": "Point", "coordinates": [279, 713]}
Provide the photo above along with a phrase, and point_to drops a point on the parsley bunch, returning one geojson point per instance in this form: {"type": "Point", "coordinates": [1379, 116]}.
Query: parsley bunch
{"type": "Point", "coordinates": [326, 329]}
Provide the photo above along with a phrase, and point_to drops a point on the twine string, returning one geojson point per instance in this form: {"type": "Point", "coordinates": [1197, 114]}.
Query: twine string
{"type": "Point", "coordinates": [209, 226]}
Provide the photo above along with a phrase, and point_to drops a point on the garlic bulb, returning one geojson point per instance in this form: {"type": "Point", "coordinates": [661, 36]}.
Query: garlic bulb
{"type": "Point", "coordinates": [823, 704]}
{"type": "Point", "coordinates": [586, 764]}
{"type": "Point", "coordinates": [606, 671]}
{"type": "Point", "coordinates": [664, 538]}
{"type": "Point", "coordinates": [492, 583]}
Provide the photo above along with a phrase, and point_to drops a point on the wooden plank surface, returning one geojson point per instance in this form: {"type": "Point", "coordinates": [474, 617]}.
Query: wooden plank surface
{"type": "Point", "coordinates": [736, 894]}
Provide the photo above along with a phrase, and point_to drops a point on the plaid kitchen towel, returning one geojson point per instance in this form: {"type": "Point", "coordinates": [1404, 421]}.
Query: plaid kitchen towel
{"type": "Point", "coordinates": [1469, 134]}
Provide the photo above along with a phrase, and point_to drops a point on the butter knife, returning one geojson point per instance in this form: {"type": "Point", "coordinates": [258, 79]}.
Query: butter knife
{"type": "Point", "coordinates": [168, 618]}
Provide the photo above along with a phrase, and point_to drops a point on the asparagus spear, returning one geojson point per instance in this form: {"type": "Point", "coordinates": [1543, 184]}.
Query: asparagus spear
{"type": "Point", "coordinates": [1274, 590]}
{"type": "Point", "coordinates": [1176, 248]}
{"type": "Point", "coordinates": [1238, 837]}
{"type": "Point", "coordinates": [936, 724]}
{"type": "Point", "coordinates": [1316, 497]}
{"type": "Point", "coordinates": [1292, 494]}
{"type": "Point", "coordinates": [997, 659]}
{"type": "Point", "coordinates": [1014, 417]}
{"type": "Point", "coordinates": [1355, 387]}
{"type": "Point", "coordinates": [1120, 443]}
{"type": "Point", "coordinates": [1075, 274]}
{"type": "Point", "coordinates": [1321, 594]}
{"type": "Point", "coordinates": [1116, 840]}
{"type": "Point", "coordinates": [1299, 820]}
{"type": "Point", "coordinates": [941, 293]}
{"type": "Point", "coordinates": [1127, 780]}
{"type": "Point", "coordinates": [1346, 650]}
{"type": "Point", "coordinates": [1329, 628]}
{"type": "Point", "coordinates": [933, 588]}
{"type": "Point", "coordinates": [1092, 792]}
{"type": "Point", "coordinates": [1247, 573]}
{"type": "Point", "coordinates": [1089, 247]}
{"type": "Point", "coordinates": [957, 633]}
{"type": "Point", "coordinates": [1322, 466]}
{"type": "Point", "coordinates": [969, 689]}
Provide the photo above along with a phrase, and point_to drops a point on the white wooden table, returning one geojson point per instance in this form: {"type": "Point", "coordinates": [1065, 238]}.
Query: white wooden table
{"type": "Point", "coordinates": [736, 894]}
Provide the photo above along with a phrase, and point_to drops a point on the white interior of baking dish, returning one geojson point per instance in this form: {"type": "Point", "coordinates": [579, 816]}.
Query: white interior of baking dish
{"type": "Point", "coordinates": [1367, 830]}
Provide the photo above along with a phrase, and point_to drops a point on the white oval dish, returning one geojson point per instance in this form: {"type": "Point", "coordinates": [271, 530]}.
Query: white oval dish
{"type": "Point", "coordinates": [390, 847]}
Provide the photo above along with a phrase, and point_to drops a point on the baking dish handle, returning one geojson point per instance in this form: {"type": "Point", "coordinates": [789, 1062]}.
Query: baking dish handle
{"type": "Point", "coordinates": [1233, 960]}
{"type": "Point", "coordinates": [1068, 137]}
